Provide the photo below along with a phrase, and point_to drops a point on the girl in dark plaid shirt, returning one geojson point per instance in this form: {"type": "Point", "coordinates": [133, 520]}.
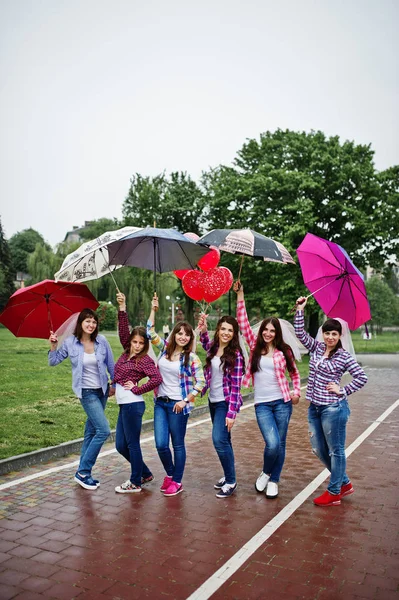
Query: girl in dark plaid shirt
{"type": "Point", "coordinates": [223, 371]}
{"type": "Point", "coordinates": [132, 366]}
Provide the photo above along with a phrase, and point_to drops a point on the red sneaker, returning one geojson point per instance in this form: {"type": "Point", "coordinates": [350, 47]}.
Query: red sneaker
{"type": "Point", "coordinates": [347, 489]}
{"type": "Point", "coordinates": [327, 499]}
{"type": "Point", "coordinates": [166, 483]}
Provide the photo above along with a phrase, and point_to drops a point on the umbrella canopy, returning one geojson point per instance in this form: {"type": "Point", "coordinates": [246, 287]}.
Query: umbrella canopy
{"type": "Point", "coordinates": [36, 310]}
{"type": "Point", "coordinates": [333, 280]}
{"type": "Point", "coordinates": [159, 250]}
{"type": "Point", "coordinates": [247, 242]}
{"type": "Point", "coordinates": [90, 260]}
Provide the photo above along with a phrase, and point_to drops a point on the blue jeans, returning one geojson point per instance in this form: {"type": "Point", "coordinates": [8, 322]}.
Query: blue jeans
{"type": "Point", "coordinates": [221, 439]}
{"type": "Point", "coordinates": [96, 429]}
{"type": "Point", "coordinates": [127, 439]}
{"type": "Point", "coordinates": [273, 420]}
{"type": "Point", "coordinates": [168, 424]}
{"type": "Point", "coordinates": [327, 429]}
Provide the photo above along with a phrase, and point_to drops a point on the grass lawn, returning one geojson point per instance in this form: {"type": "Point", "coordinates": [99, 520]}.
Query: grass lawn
{"type": "Point", "coordinates": [39, 409]}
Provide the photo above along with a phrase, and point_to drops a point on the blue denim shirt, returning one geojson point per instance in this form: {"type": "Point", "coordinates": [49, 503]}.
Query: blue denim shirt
{"type": "Point", "coordinates": [73, 348]}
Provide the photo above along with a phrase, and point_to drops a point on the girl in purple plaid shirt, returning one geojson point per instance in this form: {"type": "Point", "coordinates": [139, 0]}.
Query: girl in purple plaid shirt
{"type": "Point", "coordinates": [223, 371]}
{"type": "Point", "coordinates": [328, 405]}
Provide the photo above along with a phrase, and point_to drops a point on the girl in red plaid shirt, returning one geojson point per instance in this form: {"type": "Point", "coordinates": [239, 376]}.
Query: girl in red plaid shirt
{"type": "Point", "coordinates": [270, 358]}
{"type": "Point", "coordinates": [223, 371]}
{"type": "Point", "coordinates": [132, 366]}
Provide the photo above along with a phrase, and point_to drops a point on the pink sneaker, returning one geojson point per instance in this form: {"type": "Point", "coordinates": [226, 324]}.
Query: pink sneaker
{"type": "Point", "coordinates": [174, 489]}
{"type": "Point", "coordinates": [166, 483]}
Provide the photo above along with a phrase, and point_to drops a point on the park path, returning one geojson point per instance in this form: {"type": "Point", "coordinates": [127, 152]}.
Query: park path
{"type": "Point", "coordinates": [60, 541]}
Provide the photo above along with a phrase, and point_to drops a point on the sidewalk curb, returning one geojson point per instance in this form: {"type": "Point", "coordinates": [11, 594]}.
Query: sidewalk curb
{"type": "Point", "coordinates": [29, 459]}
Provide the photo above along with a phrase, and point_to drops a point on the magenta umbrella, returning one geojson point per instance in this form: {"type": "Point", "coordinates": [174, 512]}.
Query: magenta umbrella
{"type": "Point", "coordinates": [333, 280]}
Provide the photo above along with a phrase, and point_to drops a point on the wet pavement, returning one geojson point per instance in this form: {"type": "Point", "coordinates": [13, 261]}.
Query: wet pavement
{"type": "Point", "coordinates": [58, 540]}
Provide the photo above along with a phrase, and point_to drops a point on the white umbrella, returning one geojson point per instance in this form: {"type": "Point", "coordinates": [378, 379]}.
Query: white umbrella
{"type": "Point", "coordinates": [90, 260]}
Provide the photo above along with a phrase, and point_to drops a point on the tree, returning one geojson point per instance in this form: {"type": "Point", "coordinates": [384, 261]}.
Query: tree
{"type": "Point", "coordinates": [383, 303]}
{"type": "Point", "coordinates": [42, 263]}
{"type": "Point", "coordinates": [287, 184]}
{"type": "Point", "coordinates": [98, 227]}
{"type": "Point", "coordinates": [21, 245]}
{"type": "Point", "coordinates": [174, 202]}
{"type": "Point", "coordinates": [7, 286]}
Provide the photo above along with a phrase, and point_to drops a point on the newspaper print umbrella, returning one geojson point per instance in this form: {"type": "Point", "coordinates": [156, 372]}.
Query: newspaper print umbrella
{"type": "Point", "coordinates": [334, 281]}
{"type": "Point", "coordinates": [36, 310]}
{"type": "Point", "coordinates": [90, 260]}
{"type": "Point", "coordinates": [156, 249]}
{"type": "Point", "coordinates": [247, 243]}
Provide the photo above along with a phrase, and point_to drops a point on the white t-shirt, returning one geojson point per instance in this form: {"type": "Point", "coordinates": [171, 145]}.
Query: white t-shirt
{"type": "Point", "coordinates": [126, 396]}
{"type": "Point", "coordinates": [266, 385]}
{"type": "Point", "coordinates": [170, 386]}
{"type": "Point", "coordinates": [216, 389]}
{"type": "Point", "coordinates": [90, 376]}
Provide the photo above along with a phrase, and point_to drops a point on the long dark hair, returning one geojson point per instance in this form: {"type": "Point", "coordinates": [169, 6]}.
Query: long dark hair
{"type": "Point", "coordinates": [278, 343]}
{"type": "Point", "coordinates": [333, 325]}
{"type": "Point", "coordinates": [140, 331]}
{"type": "Point", "coordinates": [171, 347]}
{"type": "Point", "coordinates": [86, 312]}
{"type": "Point", "coordinates": [228, 357]}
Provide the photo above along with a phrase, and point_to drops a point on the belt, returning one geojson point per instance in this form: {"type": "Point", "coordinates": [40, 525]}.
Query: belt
{"type": "Point", "coordinates": [166, 399]}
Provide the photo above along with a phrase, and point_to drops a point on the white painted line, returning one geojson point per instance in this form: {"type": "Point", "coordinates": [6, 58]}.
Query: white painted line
{"type": "Point", "coordinates": [211, 585]}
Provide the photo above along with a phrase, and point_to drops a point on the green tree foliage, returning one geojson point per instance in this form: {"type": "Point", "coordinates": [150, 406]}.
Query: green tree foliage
{"type": "Point", "coordinates": [21, 245]}
{"type": "Point", "coordinates": [6, 271]}
{"type": "Point", "coordinates": [107, 316]}
{"type": "Point", "coordinates": [171, 202]}
{"type": "Point", "coordinates": [98, 227]}
{"type": "Point", "coordinates": [42, 263]}
{"type": "Point", "coordinates": [287, 184]}
{"type": "Point", "coordinates": [384, 304]}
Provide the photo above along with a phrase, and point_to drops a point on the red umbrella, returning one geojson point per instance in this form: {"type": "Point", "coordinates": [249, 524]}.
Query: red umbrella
{"type": "Point", "coordinates": [333, 280]}
{"type": "Point", "coordinates": [36, 310]}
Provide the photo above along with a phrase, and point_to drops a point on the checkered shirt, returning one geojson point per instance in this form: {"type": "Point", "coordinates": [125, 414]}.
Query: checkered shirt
{"type": "Point", "coordinates": [280, 364]}
{"type": "Point", "coordinates": [191, 377]}
{"type": "Point", "coordinates": [329, 370]}
{"type": "Point", "coordinates": [134, 369]}
{"type": "Point", "coordinates": [231, 380]}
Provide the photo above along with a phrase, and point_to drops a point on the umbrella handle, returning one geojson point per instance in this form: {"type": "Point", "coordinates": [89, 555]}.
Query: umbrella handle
{"type": "Point", "coordinates": [239, 272]}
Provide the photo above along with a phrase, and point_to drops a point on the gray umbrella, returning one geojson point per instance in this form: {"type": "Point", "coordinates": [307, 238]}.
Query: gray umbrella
{"type": "Point", "coordinates": [247, 242]}
{"type": "Point", "coordinates": [159, 250]}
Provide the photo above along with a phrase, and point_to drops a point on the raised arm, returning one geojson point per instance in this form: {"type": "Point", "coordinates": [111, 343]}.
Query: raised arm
{"type": "Point", "coordinates": [299, 326]}
{"type": "Point", "coordinates": [123, 321]}
{"type": "Point", "coordinates": [56, 356]}
{"type": "Point", "coordinates": [202, 327]}
{"type": "Point", "coordinates": [242, 316]}
{"type": "Point", "coordinates": [152, 334]}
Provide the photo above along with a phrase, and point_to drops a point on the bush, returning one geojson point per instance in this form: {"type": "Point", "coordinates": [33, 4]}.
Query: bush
{"type": "Point", "coordinates": [107, 316]}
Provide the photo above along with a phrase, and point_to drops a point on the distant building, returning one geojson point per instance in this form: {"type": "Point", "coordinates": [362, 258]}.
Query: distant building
{"type": "Point", "coordinates": [74, 235]}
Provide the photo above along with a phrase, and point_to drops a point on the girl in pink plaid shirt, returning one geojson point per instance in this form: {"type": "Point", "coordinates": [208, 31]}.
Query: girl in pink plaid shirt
{"type": "Point", "coordinates": [270, 358]}
{"type": "Point", "coordinates": [223, 371]}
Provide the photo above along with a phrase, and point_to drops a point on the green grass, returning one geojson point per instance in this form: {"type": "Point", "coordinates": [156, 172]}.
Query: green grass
{"type": "Point", "coordinates": [39, 409]}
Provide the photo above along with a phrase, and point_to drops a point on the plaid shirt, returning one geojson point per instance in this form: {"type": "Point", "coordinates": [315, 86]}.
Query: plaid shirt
{"type": "Point", "coordinates": [191, 377]}
{"type": "Point", "coordinates": [280, 364]}
{"type": "Point", "coordinates": [231, 380]}
{"type": "Point", "coordinates": [329, 370]}
{"type": "Point", "coordinates": [134, 369]}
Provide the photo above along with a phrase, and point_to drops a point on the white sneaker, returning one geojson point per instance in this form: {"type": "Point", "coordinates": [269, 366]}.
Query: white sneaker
{"type": "Point", "coordinates": [272, 490]}
{"type": "Point", "coordinates": [127, 488]}
{"type": "Point", "coordinates": [262, 482]}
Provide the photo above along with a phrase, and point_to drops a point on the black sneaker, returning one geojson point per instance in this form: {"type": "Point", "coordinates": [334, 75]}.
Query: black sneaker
{"type": "Point", "coordinates": [227, 490]}
{"type": "Point", "coordinates": [220, 483]}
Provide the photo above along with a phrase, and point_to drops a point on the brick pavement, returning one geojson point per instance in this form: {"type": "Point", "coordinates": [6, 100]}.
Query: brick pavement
{"type": "Point", "coordinates": [60, 541]}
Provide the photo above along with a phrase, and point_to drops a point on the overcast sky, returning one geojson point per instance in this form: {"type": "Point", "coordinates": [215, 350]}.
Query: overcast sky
{"type": "Point", "coordinates": [93, 91]}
